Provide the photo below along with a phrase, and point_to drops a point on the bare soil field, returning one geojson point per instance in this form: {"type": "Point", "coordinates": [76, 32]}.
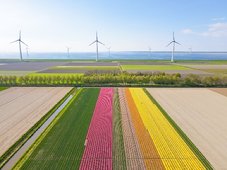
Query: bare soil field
{"type": "Point", "coordinates": [22, 107]}
{"type": "Point", "coordinates": [145, 62]}
{"type": "Point", "coordinates": [205, 67]}
{"type": "Point", "coordinates": [28, 66]}
{"type": "Point", "coordinates": [202, 115]}
{"type": "Point", "coordinates": [91, 64]}
{"type": "Point", "coordinates": [222, 91]}
{"type": "Point", "coordinates": [78, 71]}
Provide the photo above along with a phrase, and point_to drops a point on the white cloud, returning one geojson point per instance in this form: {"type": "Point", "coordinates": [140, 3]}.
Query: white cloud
{"type": "Point", "coordinates": [187, 31]}
{"type": "Point", "coordinates": [218, 19]}
{"type": "Point", "coordinates": [213, 30]}
{"type": "Point", "coordinates": [216, 30]}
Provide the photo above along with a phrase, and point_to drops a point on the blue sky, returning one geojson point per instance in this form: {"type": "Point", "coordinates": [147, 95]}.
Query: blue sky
{"type": "Point", "coordinates": [125, 25]}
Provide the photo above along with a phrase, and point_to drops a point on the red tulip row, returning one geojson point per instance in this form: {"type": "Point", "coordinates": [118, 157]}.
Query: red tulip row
{"type": "Point", "coordinates": [98, 143]}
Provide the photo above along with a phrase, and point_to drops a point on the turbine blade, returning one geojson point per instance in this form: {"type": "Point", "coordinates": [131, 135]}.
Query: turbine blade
{"type": "Point", "coordinates": [92, 43]}
{"type": "Point", "coordinates": [170, 43]}
{"type": "Point", "coordinates": [23, 43]}
{"type": "Point", "coordinates": [177, 43]}
{"type": "Point", "coordinates": [14, 41]}
{"type": "Point", "coordinates": [173, 37]}
{"type": "Point", "coordinates": [101, 43]}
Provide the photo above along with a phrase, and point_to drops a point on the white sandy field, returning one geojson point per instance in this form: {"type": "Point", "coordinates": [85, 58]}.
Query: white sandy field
{"type": "Point", "coordinates": [22, 107]}
{"type": "Point", "coordinates": [202, 115]}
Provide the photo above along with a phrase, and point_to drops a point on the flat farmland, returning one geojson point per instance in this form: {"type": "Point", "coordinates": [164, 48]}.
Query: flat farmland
{"type": "Point", "coordinates": [61, 146]}
{"type": "Point", "coordinates": [98, 143]}
{"type": "Point", "coordinates": [210, 68]}
{"type": "Point", "coordinates": [134, 159]}
{"type": "Point", "coordinates": [121, 128]}
{"type": "Point", "coordinates": [167, 68]}
{"type": "Point", "coordinates": [154, 67]}
{"type": "Point", "coordinates": [173, 150]}
{"type": "Point", "coordinates": [202, 115]}
{"type": "Point", "coordinates": [28, 65]}
{"type": "Point", "coordinates": [21, 108]}
{"type": "Point", "coordinates": [81, 69]}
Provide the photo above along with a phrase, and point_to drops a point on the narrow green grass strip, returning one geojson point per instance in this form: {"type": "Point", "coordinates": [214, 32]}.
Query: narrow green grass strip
{"type": "Point", "coordinates": [154, 67]}
{"type": "Point", "coordinates": [61, 145]}
{"type": "Point", "coordinates": [3, 88]}
{"type": "Point", "coordinates": [191, 145]}
{"type": "Point", "coordinates": [20, 142]}
{"type": "Point", "coordinates": [119, 159]}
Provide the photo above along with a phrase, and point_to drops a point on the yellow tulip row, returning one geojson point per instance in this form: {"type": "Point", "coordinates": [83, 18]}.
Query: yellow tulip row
{"type": "Point", "coordinates": [173, 151]}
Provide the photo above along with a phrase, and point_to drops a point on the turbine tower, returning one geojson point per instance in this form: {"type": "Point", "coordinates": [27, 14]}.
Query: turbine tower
{"type": "Point", "coordinates": [27, 52]}
{"type": "Point", "coordinates": [68, 54]}
{"type": "Point", "coordinates": [190, 49]}
{"type": "Point", "coordinates": [149, 48]}
{"type": "Point", "coordinates": [19, 42]}
{"type": "Point", "coordinates": [97, 46]}
{"type": "Point", "coordinates": [108, 48]}
{"type": "Point", "coordinates": [173, 42]}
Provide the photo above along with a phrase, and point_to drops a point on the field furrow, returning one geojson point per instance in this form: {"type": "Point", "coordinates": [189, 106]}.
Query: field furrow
{"type": "Point", "coordinates": [98, 149]}
{"type": "Point", "coordinates": [132, 151]}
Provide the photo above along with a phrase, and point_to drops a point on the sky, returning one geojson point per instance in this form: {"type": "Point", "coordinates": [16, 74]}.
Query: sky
{"type": "Point", "coordinates": [123, 25]}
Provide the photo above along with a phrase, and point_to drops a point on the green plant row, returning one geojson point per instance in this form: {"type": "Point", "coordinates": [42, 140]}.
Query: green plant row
{"type": "Point", "coordinates": [20, 142]}
{"type": "Point", "coordinates": [61, 145]}
{"type": "Point", "coordinates": [191, 145]}
{"type": "Point", "coordinates": [119, 159]}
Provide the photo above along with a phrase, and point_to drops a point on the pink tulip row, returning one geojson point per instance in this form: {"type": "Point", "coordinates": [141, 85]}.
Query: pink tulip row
{"type": "Point", "coordinates": [98, 143]}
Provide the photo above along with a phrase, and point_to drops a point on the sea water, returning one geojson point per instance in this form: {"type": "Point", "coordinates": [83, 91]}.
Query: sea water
{"type": "Point", "coordinates": [130, 55]}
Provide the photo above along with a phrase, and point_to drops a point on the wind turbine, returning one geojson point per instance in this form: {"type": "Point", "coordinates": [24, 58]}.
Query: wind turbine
{"type": "Point", "coordinates": [190, 49]}
{"type": "Point", "coordinates": [19, 42]}
{"type": "Point", "coordinates": [68, 51]}
{"type": "Point", "coordinates": [27, 52]}
{"type": "Point", "coordinates": [108, 48]}
{"type": "Point", "coordinates": [97, 46]}
{"type": "Point", "coordinates": [173, 42]}
{"type": "Point", "coordinates": [149, 48]}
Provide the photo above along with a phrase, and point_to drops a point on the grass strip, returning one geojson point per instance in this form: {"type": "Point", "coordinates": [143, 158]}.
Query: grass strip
{"type": "Point", "coordinates": [154, 67]}
{"type": "Point", "coordinates": [195, 150]}
{"type": "Point", "coordinates": [61, 145]}
{"type": "Point", "coordinates": [3, 88]}
{"type": "Point", "coordinates": [119, 159]}
{"type": "Point", "coordinates": [20, 142]}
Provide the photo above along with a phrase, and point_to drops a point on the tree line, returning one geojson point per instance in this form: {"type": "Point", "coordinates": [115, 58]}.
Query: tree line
{"type": "Point", "coordinates": [115, 79]}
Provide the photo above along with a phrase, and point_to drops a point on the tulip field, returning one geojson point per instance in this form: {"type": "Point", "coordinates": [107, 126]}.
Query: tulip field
{"type": "Point", "coordinates": [113, 128]}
